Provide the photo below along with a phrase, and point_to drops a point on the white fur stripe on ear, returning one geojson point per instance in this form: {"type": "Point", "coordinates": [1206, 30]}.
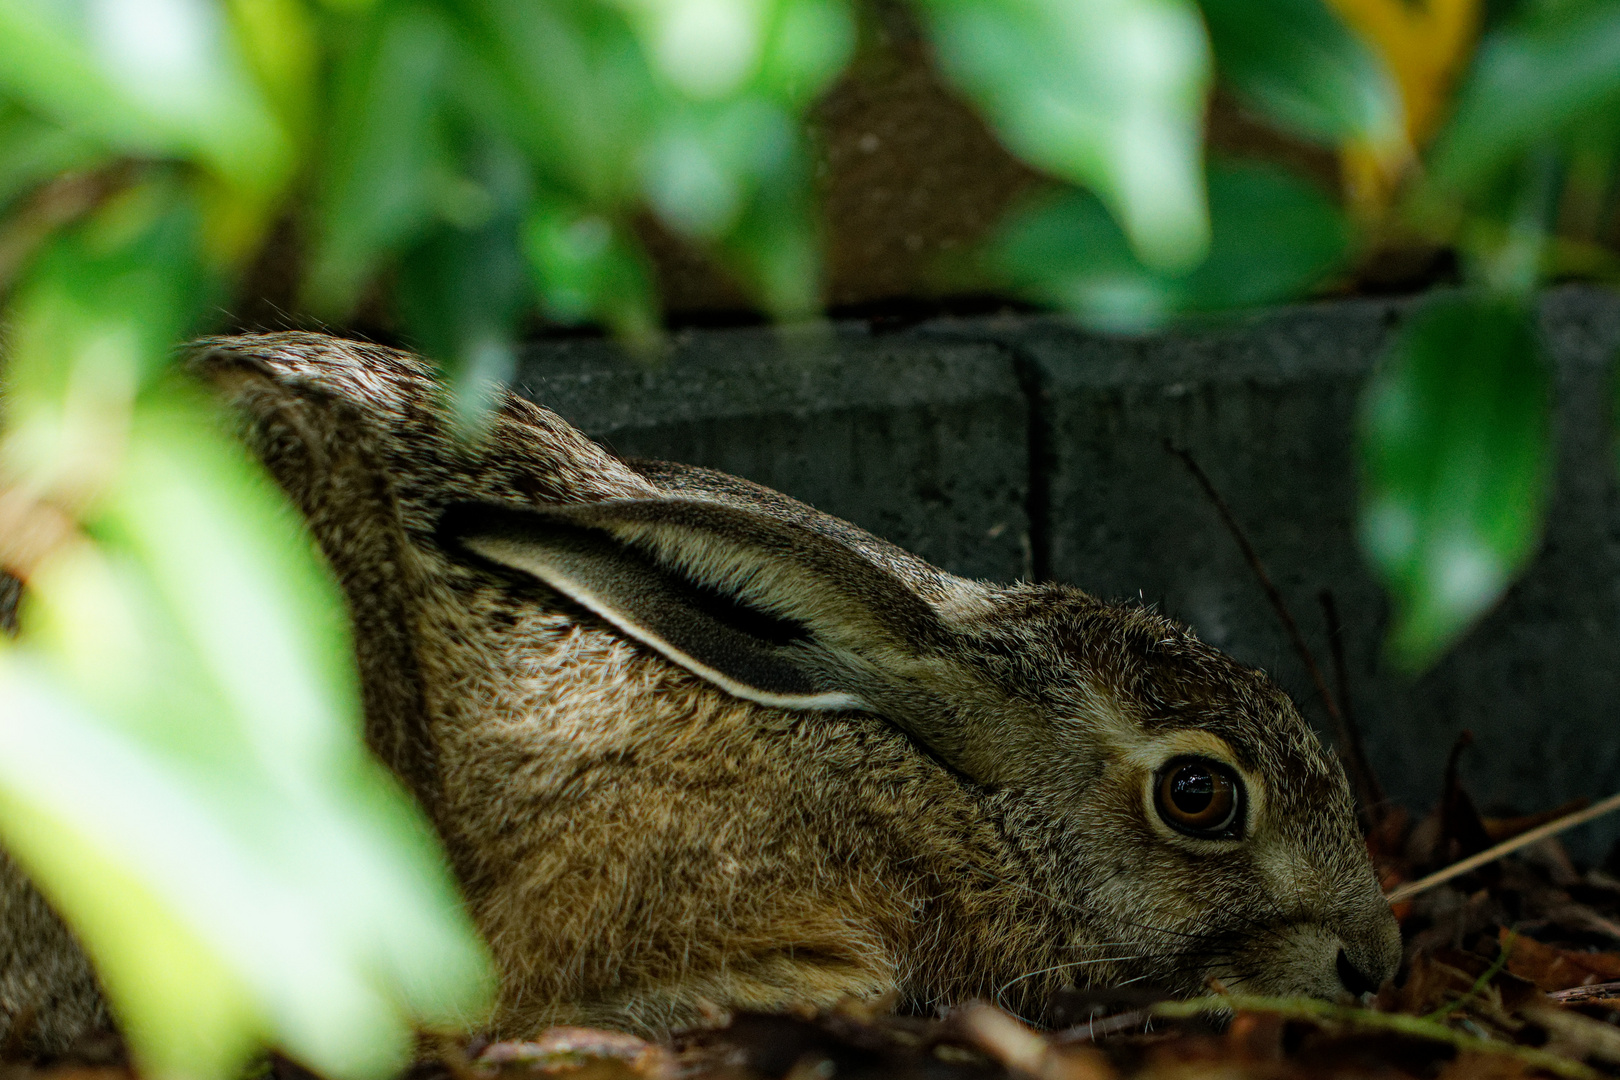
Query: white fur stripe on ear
{"type": "Point", "coordinates": [552, 566]}
{"type": "Point", "coordinates": [761, 609]}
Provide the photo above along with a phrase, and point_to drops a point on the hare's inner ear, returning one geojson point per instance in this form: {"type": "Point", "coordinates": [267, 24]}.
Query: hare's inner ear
{"type": "Point", "coordinates": [763, 609]}
{"type": "Point", "coordinates": [747, 648]}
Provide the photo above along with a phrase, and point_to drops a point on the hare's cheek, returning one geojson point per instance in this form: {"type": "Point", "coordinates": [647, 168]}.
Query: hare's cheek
{"type": "Point", "coordinates": [1149, 883]}
{"type": "Point", "coordinates": [1292, 960]}
{"type": "Point", "coordinates": [1281, 868]}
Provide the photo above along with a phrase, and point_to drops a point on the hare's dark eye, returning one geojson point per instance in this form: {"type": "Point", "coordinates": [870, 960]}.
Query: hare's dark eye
{"type": "Point", "coordinates": [1200, 797]}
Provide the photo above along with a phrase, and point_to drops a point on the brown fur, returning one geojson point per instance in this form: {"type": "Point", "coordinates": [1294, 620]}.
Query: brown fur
{"type": "Point", "coordinates": [638, 845]}
{"type": "Point", "coordinates": [49, 997]}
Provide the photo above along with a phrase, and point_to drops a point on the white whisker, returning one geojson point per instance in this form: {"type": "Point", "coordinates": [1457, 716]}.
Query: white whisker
{"type": "Point", "coordinates": [1000, 994]}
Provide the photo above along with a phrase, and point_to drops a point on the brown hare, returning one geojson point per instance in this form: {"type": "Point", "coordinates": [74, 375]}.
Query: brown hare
{"type": "Point", "coordinates": [692, 744]}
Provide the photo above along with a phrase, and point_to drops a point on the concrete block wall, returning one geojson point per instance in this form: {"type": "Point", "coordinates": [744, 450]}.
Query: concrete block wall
{"type": "Point", "coordinates": [1022, 446]}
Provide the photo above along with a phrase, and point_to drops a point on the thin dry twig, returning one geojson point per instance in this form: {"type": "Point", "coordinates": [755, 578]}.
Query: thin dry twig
{"type": "Point", "coordinates": [1595, 992]}
{"type": "Point", "coordinates": [1344, 739]}
{"type": "Point", "coordinates": [1506, 847]}
{"type": "Point", "coordinates": [1103, 1027]}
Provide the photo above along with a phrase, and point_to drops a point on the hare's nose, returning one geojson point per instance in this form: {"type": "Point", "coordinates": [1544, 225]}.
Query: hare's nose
{"type": "Point", "coordinates": [1353, 978]}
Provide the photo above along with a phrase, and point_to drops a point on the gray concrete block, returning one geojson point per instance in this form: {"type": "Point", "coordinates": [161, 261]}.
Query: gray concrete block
{"type": "Point", "coordinates": [921, 443]}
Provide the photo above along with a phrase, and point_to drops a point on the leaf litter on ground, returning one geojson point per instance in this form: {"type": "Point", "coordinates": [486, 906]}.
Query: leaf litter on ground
{"type": "Point", "coordinates": [1510, 971]}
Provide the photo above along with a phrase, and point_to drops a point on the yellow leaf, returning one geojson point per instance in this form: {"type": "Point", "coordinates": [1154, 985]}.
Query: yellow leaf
{"type": "Point", "coordinates": [1426, 44]}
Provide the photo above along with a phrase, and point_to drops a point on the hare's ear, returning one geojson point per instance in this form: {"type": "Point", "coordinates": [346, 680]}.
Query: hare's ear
{"type": "Point", "coordinates": [761, 609]}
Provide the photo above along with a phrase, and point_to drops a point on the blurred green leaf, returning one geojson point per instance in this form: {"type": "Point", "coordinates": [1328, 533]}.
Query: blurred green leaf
{"type": "Point", "coordinates": [1594, 166]}
{"type": "Point", "coordinates": [578, 86]}
{"type": "Point", "coordinates": [1455, 452]}
{"type": "Point", "coordinates": [713, 50]}
{"type": "Point", "coordinates": [587, 266]}
{"type": "Point", "coordinates": [1107, 94]}
{"type": "Point", "coordinates": [1299, 64]}
{"type": "Point", "coordinates": [1274, 236]}
{"type": "Point", "coordinates": [722, 159]}
{"type": "Point", "coordinates": [463, 288]}
{"type": "Point", "coordinates": [1507, 245]}
{"type": "Point", "coordinates": [1530, 81]}
{"type": "Point", "coordinates": [33, 151]}
{"type": "Point", "coordinates": [807, 45]}
{"type": "Point", "coordinates": [278, 41]}
{"type": "Point", "coordinates": [100, 309]}
{"type": "Point", "coordinates": [149, 76]}
{"type": "Point", "coordinates": [387, 158]}
{"type": "Point", "coordinates": [705, 49]}
{"type": "Point", "coordinates": [184, 1012]}
{"type": "Point", "coordinates": [188, 683]}
{"type": "Point", "coordinates": [776, 248]}
{"type": "Point", "coordinates": [704, 164]}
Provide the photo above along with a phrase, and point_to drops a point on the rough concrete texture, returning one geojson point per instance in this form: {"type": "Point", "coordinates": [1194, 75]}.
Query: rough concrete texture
{"type": "Point", "coordinates": [922, 442]}
{"type": "Point", "coordinates": [1014, 446]}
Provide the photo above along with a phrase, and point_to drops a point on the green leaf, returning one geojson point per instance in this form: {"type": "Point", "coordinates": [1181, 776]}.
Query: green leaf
{"type": "Point", "coordinates": [807, 45]}
{"type": "Point", "coordinates": [157, 77]}
{"type": "Point", "coordinates": [387, 160]}
{"type": "Point", "coordinates": [587, 266]}
{"type": "Point", "coordinates": [704, 163]}
{"type": "Point", "coordinates": [1295, 61]}
{"type": "Point", "coordinates": [1274, 236]}
{"type": "Point", "coordinates": [736, 174]}
{"type": "Point", "coordinates": [1107, 94]}
{"type": "Point", "coordinates": [704, 49]}
{"type": "Point", "coordinates": [1530, 82]}
{"type": "Point", "coordinates": [183, 1011]}
{"type": "Point", "coordinates": [775, 246]}
{"type": "Point", "coordinates": [714, 50]}
{"type": "Point", "coordinates": [642, 89]}
{"type": "Point", "coordinates": [99, 311]}
{"type": "Point", "coordinates": [1455, 453]}
{"type": "Point", "coordinates": [279, 42]}
{"type": "Point", "coordinates": [579, 88]}
{"type": "Point", "coordinates": [185, 727]}
{"type": "Point", "coordinates": [463, 289]}
{"type": "Point", "coordinates": [33, 151]}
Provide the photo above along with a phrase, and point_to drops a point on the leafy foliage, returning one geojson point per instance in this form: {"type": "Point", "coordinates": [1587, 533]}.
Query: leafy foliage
{"type": "Point", "coordinates": [1273, 237]}
{"type": "Point", "coordinates": [474, 161]}
{"type": "Point", "coordinates": [1457, 466]}
{"type": "Point", "coordinates": [1067, 87]}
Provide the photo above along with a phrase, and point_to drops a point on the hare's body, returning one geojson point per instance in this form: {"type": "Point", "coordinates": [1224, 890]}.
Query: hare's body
{"type": "Point", "coordinates": [635, 845]}
{"type": "Point", "coordinates": [693, 745]}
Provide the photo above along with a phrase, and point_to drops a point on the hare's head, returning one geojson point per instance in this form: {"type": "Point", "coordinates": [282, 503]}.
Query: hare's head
{"type": "Point", "coordinates": [1175, 818]}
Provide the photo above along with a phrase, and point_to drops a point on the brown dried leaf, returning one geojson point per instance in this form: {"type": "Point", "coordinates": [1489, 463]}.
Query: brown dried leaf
{"type": "Point", "coordinates": [1552, 968]}
{"type": "Point", "coordinates": [1436, 979]}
